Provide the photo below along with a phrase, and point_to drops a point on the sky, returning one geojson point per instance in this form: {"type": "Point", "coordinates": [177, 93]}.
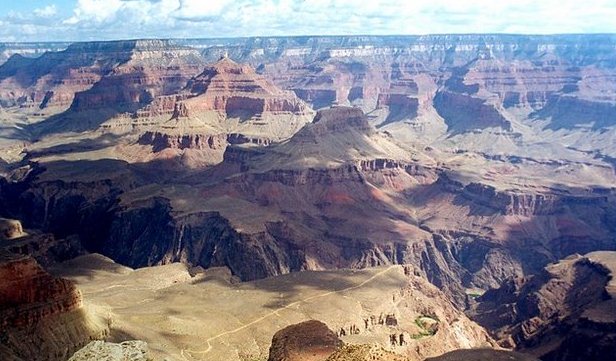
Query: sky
{"type": "Point", "coordinates": [78, 20]}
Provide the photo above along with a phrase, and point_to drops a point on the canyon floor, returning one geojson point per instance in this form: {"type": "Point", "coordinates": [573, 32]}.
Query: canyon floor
{"type": "Point", "coordinates": [211, 316]}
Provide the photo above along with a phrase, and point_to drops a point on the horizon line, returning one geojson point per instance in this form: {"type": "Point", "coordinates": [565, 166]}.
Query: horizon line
{"type": "Point", "coordinates": [315, 36]}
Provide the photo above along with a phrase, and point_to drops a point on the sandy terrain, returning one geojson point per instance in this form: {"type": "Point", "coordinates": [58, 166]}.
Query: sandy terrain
{"type": "Point", "coordinates": [211, 317]}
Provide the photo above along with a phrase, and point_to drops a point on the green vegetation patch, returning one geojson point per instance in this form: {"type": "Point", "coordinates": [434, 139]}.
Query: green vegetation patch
{"type": "Point", "coordinates": [426, 331]}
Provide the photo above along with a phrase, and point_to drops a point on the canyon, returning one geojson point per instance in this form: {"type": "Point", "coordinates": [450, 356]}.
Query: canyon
{"type": "Point", "coordinates": [168, 182]}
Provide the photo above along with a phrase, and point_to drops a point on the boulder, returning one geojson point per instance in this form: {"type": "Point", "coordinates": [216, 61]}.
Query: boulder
{"type": "Point", "coordinates": [307, 341]}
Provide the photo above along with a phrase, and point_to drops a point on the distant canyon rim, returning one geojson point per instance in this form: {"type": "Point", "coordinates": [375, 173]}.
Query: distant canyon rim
{"type": "Point", "coordinates": [420, 196]}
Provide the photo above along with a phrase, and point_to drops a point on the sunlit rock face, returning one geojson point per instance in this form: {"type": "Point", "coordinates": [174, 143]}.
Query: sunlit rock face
{"type": "Point", "coordinates": [227, 103]}
{"type": "Point", "coordinates": [10, 229]}
{"type": "Point", "coordinates": [98, 74]}
{"type": "Point", "coordinates": [42, 316]}
{"type": "Point", "coordinates": [154, 68]}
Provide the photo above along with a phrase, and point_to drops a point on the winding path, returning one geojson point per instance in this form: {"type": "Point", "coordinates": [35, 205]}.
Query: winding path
{"type": "Point", "coordinates": [187, 354]}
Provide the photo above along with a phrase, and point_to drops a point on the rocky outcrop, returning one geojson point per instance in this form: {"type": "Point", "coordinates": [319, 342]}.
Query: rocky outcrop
{"type": "Point", "coordinates": [571, 111]}
{"type": "Point", "coordinates": [125, 351]}
{"type": "Point", "coordinates": [364, 353]}
{"type": "Point", "coordinates": [29, 294]}
{"type": "Point", "coordinates": [72, 76]}
{"type": "Point", "coordinates": [400, 106]}
{"type": "Point", "coordinates": [54, 78]}
{"type": "Point", "coordinates": [339, 119]}
{"type": "Point", "coordinates": [515, 204]}
{"type": "Point", "coordinates": [545, 313]}
{"type": "Point", "coordinates": [42, 317]}
{"type": "Point", "coordinates": [596, 327]}
{"type": "Point", "coordinates": [510, 202]}
{"type": "Point", "coordinates": [160, 141]}
{"type": "Point", "coordinates": [227, 100]}
{"type": "Point", "coordinates": [155, 68]}
{"type": "Point", "coordinates": [306, 341]}
{"type": "Point", "coordinates": [231, 89]}
{"type": "Point", "coordinates": [45, 248]}
{"type": "Point", "coordinates": [162, 106]}
{"type": "Point", "coordinates": [149, 235]}
{"type": "Point", "coordinates": [10, 229]}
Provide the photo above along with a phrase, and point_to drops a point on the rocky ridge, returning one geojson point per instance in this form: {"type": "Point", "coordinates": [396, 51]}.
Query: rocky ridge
{"type": "Point", "coordinates": [42, 317]}
{"type": "Point", "coordinates": [59, 76]}
{"type": "Point", "coordinates": [329, 348]}
{"type": "Point", "coordinates": [227, 100]}
{"type": "Point", "coordinates": [571, 299]}
{"type": "Point", "coordinates": [511, 85]}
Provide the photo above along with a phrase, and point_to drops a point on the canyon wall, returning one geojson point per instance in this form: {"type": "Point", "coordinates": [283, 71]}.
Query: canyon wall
{"type": "Point", "coordinates": [42, 317]}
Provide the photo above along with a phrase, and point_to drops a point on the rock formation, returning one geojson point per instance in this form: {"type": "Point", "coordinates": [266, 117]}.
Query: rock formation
{"type": "Point", "coordinates": [306, 341]}
{"type": "Point", "coordinates": [226, 90]}
{"type": "Point", "coordinates": [226, 103]}
{"type": "Point", "coordinates": [364, 353]}
{"type": "Point", "coordinates": [29, 49]}
{"type": "Point", "coordinates": [507, 83]}
{"type": "Point", "coordinates": [102, 74]}
{"type": "Point", "coordinates": [312, 340]}
{"type": "Point", "coordinates": [10, 229]}
{"type": "Point", "coordinates": [231, 88]}
{"type": "Point", "coordinates": [154, 68]}
{"type": "Point", "coordinates": [338, 193]}
{"type": "Point", "coordinates": [552, 311]}
{"type": "Point", "coordinates": [125, 351]}
{"type": "Point", "coordinates": [42, 317]}
{"type": "Point", "coordinates": [45, 248]}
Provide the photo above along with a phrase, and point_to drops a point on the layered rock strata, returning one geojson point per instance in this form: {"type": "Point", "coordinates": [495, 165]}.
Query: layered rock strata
{"type": "Point", "coordinates": [98, 74]}
{"type": "Point", "coordinates": [42, 317]}
{"type": "Point", "coordinates": [571, 300]}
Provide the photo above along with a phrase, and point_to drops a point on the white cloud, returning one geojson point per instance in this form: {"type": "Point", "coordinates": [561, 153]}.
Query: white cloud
{"type": "Point", "coordinates": [94, 10]}
{"type": "Point", "coordinates": [109, 19]}
{"type": "Point", "coordinates": [199, 9]}
{"type": "Point", "coordinates": [46, 12]}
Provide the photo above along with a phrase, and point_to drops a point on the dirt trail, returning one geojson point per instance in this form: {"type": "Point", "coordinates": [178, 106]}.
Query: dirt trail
{"type": "Point", "coordinates": [188, 354]}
